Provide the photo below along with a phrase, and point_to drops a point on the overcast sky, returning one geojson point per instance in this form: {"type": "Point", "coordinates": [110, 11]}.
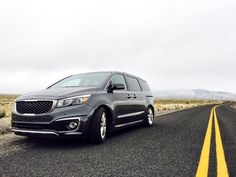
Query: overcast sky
{"type": "Point", "coordinates": [173, 44]}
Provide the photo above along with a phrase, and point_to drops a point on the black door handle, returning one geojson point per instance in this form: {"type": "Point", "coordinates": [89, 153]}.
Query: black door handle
{"type": "Point", "coordinates": [134, 96]}
{"type": "Point", "coordinates": [128, 96]}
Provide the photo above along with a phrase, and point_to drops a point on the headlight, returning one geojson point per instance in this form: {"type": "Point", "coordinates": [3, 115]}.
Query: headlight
{"type": "Point", "coordinates": [73, 101]}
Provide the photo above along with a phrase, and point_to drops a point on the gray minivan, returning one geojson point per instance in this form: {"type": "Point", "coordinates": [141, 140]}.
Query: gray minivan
{"type": "Point", "coordinates": [89, 105]}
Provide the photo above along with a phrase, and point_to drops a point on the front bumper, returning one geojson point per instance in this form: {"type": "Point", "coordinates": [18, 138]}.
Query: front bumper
{"type": "Point", "coordinates": [25, 132]}
{"type": "Point", "coordinates": [54, 123]}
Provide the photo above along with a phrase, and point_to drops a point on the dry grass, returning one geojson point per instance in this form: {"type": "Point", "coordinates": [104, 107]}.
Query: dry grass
{"type": "Point", "coordinates": [6, 102]}
{"type": "Point", "coordinates": [2, 112]}
{"type": "Point", "coordinates": [169, 105]}
{"type": "Point", "coordinates": [233, 105]}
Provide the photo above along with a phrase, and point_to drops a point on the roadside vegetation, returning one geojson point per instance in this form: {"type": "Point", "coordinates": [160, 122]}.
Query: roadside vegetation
{"type": "Point", "coordinates": [161, 106]}
{"type": "Point", "coordinates": [177, 104]}
{"type": "Point", "coordinates": [6, 102]}
{"type": "Point", "coordinates": [233, 105]}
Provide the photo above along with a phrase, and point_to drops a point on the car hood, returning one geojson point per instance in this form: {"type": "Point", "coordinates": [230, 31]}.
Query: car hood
{"type": "Point", "coordinates": [57, 93]}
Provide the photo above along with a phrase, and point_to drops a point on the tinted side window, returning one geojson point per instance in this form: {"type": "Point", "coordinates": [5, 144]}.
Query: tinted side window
{"type": "Point", "coordinates": [118, 79]}
{"type": "Point", "coordinates": [144, 85]}
{"type": "Point", "coordinates": [133, 84]}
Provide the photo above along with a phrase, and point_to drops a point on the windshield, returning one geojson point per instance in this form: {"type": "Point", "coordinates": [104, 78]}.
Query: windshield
{"type": "Point", "coordinates": [83, 80]}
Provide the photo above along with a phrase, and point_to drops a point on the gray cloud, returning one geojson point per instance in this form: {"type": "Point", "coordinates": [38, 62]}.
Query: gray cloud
{"type": "Point", "coordinates": [172, 44]}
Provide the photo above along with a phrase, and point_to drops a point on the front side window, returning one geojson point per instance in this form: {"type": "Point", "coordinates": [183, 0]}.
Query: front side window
{"type": "Point", "coordinates": [83, 80]}
{"type": "Point", "coordinates": [119, 79]}
{"type": "Point", "coordinates": [133, 84]}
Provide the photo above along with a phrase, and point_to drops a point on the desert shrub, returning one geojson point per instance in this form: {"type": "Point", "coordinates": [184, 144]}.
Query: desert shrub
{"type": "Point", "coordinates": [2, 112]}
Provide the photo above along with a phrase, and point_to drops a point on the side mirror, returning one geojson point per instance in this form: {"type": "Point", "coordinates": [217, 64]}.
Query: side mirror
{"type": "Point", "coordinates": [118, 86]}
{"type": "Point", "coordinates": [115, 86]}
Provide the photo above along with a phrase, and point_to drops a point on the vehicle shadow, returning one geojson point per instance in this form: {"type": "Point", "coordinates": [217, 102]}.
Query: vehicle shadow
{"type": "Point", "coordinates": [72, 143]}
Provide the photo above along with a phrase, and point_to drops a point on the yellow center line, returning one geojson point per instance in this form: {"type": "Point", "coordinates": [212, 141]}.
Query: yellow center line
{"type": "Point", "coordinates": [203, 165]}
{"type": "Point", "coordinates": [222, 170]}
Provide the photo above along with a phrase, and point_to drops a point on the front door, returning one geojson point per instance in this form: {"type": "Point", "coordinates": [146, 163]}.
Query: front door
{"type": "Point", "coordinates": [122, 101]}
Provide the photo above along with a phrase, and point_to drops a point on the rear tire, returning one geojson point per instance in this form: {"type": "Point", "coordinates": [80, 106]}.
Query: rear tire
{"type": "Point", "coordinates": [149, 120]}
{"type": "Point", "coordinates": [98, 129]}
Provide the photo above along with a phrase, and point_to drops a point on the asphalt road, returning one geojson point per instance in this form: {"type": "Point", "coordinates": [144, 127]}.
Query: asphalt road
{"type": "Point", "coordinates": [171, 148]}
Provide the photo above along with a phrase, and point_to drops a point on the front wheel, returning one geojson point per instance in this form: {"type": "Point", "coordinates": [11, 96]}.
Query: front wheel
{"type": "Point", "coordinates": [98, 130]}
{"type": "Point", "coordinates": [149, 121]}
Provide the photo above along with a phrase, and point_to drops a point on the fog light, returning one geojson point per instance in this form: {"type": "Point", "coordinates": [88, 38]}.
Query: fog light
{"type": "Point", "coordinates": [72, 125]}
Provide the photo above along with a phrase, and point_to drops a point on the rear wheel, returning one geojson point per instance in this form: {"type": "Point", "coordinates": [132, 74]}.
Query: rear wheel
{"type": "Point", "coordinates": [98, 130]}
{"type": "Point", "coordinates": [149, 121]}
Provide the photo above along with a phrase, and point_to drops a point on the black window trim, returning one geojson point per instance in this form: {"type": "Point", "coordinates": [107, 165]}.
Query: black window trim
{"type": "Point", "coordinates": [139, 80]}
{"type": "Point", "coordinates": [107, 84]}
{"type": "Point", "coordinates": [128, 84]}
{"type": "Point", "coordinates": [140, 85]}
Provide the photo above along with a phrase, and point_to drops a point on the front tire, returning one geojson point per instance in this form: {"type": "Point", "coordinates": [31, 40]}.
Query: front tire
{"type": "Point", "coordinates": [98, 130]}
{"type": "Point", "coordinates": [149, 120]}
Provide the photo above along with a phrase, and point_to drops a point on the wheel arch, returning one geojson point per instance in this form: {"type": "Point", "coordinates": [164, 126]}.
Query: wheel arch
{"type": "Point", "coordinates": [152, 107]}
{"type": "Point", "coordinates": [110, 116]}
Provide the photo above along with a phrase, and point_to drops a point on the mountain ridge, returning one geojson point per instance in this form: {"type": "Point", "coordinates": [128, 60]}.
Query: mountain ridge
{"type": "Point", "coordinates": [194, 94]}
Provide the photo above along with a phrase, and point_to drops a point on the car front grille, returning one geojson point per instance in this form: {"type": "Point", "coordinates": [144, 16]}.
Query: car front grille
{"type": "Point", "coordinates": [32, 119]}
{"type": "Point", "coordinates": [33, 107]}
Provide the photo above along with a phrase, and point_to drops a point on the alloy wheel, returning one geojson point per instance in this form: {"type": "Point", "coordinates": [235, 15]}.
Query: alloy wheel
{"type": "Point", "coordinates": [150, 116]}
{"type": "Point", "coordinates": [103, 127]}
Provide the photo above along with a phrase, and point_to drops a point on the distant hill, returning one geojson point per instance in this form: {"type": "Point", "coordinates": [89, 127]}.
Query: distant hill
{"type": "Point", "coordinates": [194, 94]}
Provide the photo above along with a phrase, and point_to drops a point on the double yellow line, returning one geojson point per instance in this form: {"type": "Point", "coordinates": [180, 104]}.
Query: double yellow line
{"type": "Point", "coordinates": [203, 165]}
